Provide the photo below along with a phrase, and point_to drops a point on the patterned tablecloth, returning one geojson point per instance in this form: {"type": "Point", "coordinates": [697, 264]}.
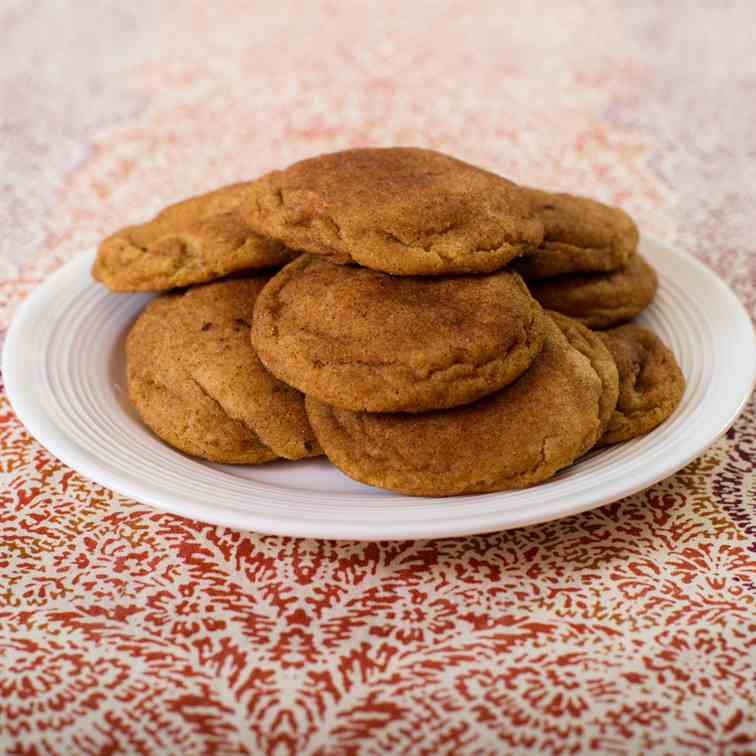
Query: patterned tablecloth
{"type": "Point", "coordinates": [629, 629]}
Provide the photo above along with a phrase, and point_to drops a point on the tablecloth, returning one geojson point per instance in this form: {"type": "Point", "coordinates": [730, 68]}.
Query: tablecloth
{"type": "Point", "coordinates": [628, 629]}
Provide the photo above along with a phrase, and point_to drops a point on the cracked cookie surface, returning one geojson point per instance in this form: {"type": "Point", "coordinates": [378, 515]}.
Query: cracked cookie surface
{"type": "Point", "coordinates": [364, 340]}
{"type": "Point", "coordinates": [198, 384]}
{"type": "Point", "coordinates": [513, 438]}
{"type": "Point", "coordinates": [651, 382]}
{"type": "Point", "coordinates": [600, 300]}
{"type": "Point", "coordinates": [404, 211]}
{"type": "Point", "coordinates": [592, 346]}
{"type": "Point", "coordinates": [580, 235]}
{"type": "Point", "coordinates": [194, 241]}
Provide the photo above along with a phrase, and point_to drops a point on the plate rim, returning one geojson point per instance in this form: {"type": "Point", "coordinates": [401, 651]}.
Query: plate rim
{"type": "Point", "coordinates": [40, 426]}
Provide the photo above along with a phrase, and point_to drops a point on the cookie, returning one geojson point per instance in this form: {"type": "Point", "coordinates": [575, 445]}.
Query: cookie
{"type": "Point", "coordinates": [600, 300]}
{"type": "Point", "coordinates": [197, 240]}
{"type": "Point", "coordinates": [580, 235]}
{"type": "Point", "coordinates": [651, 382]}
{"type": "Point", "coordinates": [364, 340]}
{"type": "Point", "coordinates": [399, 210]}
{"type": "Point", "coordinates": [592, 346]}
{"type": "Point", "coordinates": [516, 437]}
{"type": "Point", "coordinates": [198, 384]}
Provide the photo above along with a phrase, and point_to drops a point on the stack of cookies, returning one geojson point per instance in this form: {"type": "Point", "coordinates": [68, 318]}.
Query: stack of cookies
{"type": "Point", "coordinates": [429, 329]}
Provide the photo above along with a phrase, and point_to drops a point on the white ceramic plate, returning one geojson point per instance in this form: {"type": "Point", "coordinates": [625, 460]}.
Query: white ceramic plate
{"type": "Point", "coordinates": [65, 376]}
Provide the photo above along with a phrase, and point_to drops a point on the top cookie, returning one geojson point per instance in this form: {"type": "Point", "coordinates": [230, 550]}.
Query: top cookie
{"type": "Point", "coordinates": [197, 240]}
{"type": "Point", "coordinates": [404, 211]}
{"type": "Point", "coordinates": [364, 340]}
{"type": "Point", "coordinates": [580, 235]}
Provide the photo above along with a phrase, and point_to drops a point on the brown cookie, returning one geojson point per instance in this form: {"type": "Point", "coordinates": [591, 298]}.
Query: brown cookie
{"type": "Point", "coordinates": [516, 437]}
{"type": "Point", "coordinates": [580, 235]}
{"type": "Point", "coordinates": [651, 382]}
{"type": "Point", "coordinates": [399, 210]}
{"type": "Point", "coordinates": [197, 382]}
{"type": "Point", "coordinates": [592, 346]}
{"type": "Point", "coordinates": [600, 300]}
{"type": "Point", "coordinates": [364, 340]}
{"type": "Point", "coordinates": [193, 241]}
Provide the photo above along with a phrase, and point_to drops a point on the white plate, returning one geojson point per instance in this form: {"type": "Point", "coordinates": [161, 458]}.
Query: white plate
{"type": "Point", "coordinates": [65, 376]}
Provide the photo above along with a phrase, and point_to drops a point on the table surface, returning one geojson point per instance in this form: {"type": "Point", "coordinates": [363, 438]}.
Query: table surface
{"type": "Point", "coordinates": [628, 629]}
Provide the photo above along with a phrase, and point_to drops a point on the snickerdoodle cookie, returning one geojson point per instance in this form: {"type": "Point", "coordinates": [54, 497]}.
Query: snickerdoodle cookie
{"type": "Point", "coordinates": [198, 384]}
{"type": "Point", "coordinates": [580, 235]}
{"type": "Point", "coordinates": [364, 340]}
{"type": "Point", "coordinates": [651, 382]}
{"type": "Point", "coordinates": [400, 210]}
{"type": "Point", "coordinates": [592, 346]}
{"type": "Point", "coordinates": [197, 240]}
{"type": "Point", "coordinates": [513, 438]}
{"type": "Point", "coordinates": [600, 300]}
